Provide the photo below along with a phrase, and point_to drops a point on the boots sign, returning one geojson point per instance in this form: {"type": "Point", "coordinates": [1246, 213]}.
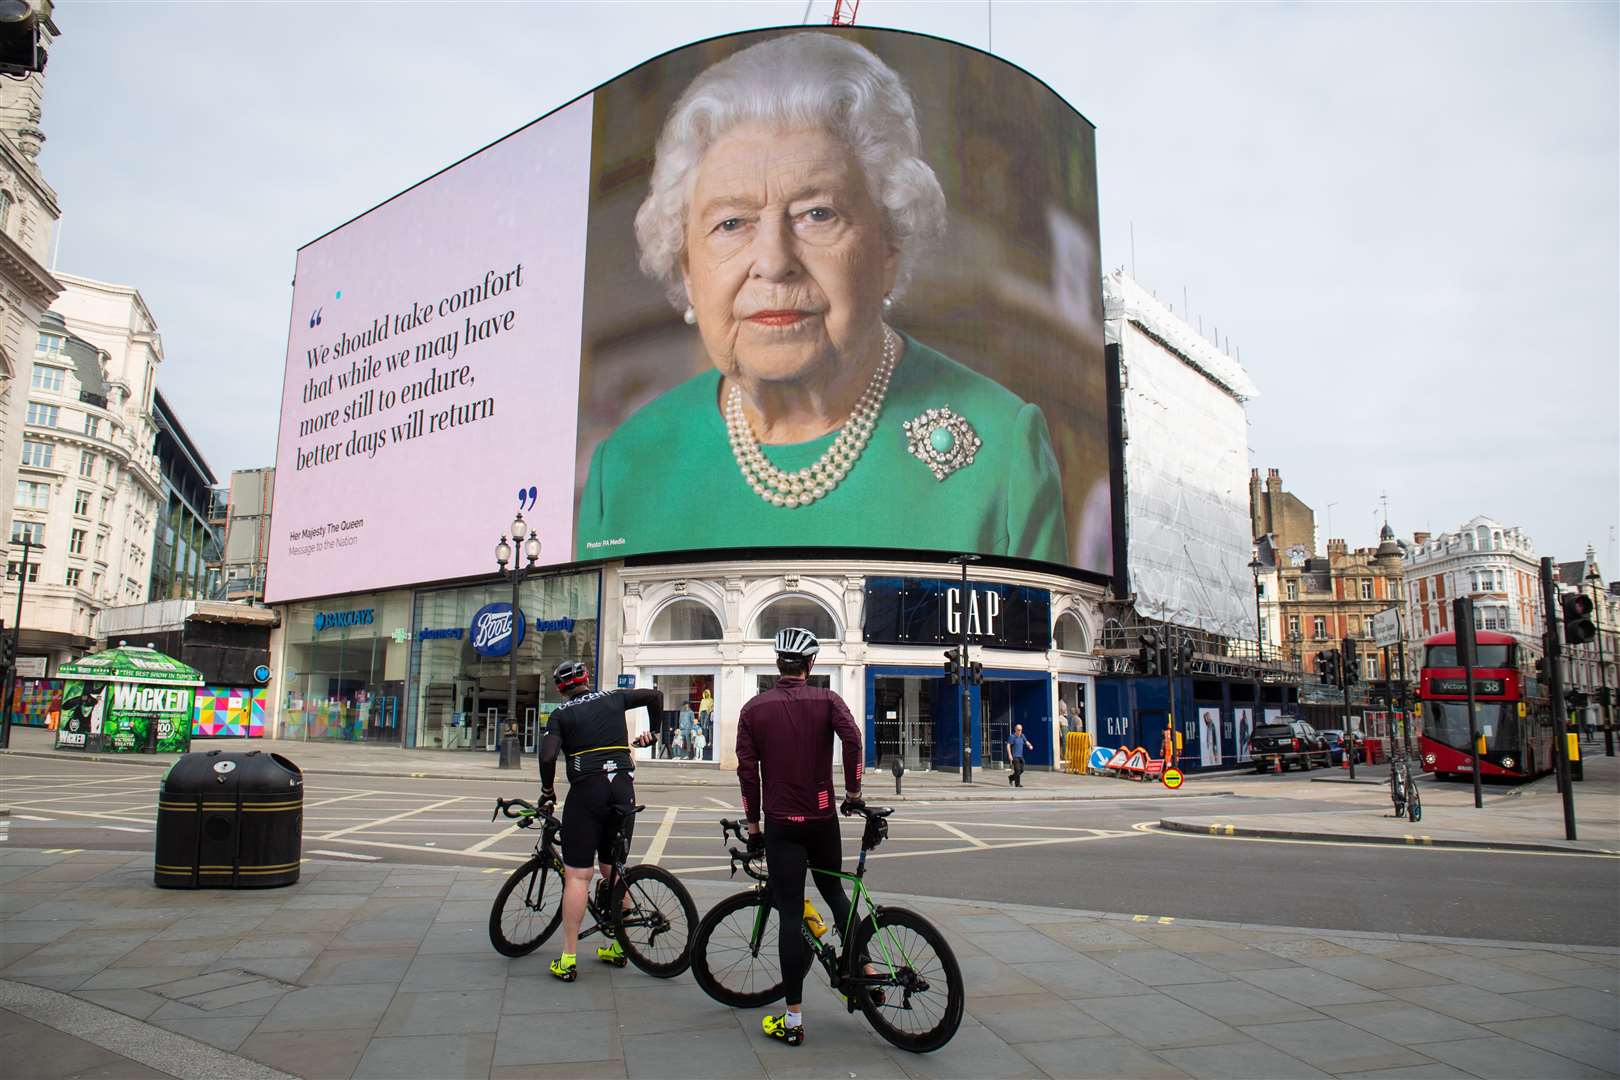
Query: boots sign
{"type": "Point", "coordinates": [493, 629]}
{"type": "Point", "coordinates": [929, 611]}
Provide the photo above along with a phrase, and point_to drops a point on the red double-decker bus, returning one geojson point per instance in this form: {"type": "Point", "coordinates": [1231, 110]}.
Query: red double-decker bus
{"type": "Point", "coordinates": [1510, 710]}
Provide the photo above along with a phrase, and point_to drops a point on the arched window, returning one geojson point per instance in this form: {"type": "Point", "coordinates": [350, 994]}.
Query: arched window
{"type": "Point", "coordinates": [685, 620]}
{"type": "Point", "coordinates": [1069, 634]}
{"type": "Point", "coordinates": [798, 611]}
{"type": "Point", "coordinates": [1113, 634]}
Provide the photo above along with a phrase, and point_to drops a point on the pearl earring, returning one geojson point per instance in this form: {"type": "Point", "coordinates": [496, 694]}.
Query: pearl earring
{"type": "Point", "coordinates": [888, 302]}
{"type": "Point", "coordinates": [690, 316]}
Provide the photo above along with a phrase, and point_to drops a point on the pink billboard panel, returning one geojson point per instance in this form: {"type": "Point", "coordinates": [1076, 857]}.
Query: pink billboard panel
{"type": "Point", "coordinates": [432, 372]}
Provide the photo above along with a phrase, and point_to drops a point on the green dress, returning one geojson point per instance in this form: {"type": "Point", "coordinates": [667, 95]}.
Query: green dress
{"type": "Point", "coordinates": [666, 479]}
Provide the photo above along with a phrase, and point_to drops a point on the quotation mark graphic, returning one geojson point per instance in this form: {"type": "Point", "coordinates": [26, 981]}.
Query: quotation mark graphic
{"type": "Point", "coordinates": [528, 497]}
{"type": "Point", "coordinates": [315, 318]}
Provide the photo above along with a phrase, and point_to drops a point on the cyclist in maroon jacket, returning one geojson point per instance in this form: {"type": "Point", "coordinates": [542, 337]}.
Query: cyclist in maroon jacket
{"type": "Point", "coordinates": [784, 758]}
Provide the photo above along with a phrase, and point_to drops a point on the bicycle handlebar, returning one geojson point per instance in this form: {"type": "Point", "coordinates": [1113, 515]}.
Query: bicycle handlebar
{"type": "Point", "coordinates": [526, 812]}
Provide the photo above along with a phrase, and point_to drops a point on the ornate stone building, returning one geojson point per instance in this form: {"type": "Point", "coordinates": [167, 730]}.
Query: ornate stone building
{"type": "Point", "coordinates": [28, 215]}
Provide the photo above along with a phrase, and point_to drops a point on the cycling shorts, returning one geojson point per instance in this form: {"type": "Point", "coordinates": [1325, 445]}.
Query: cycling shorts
{"type": "Point", "coordinates": [597, 807]}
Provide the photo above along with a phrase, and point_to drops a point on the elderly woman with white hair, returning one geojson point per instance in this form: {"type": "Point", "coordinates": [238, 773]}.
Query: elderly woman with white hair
{"type": "Point", "coordinates": [788, 206]}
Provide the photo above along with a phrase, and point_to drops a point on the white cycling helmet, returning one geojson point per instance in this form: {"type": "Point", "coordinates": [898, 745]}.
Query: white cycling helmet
{"type": "Point", "coordinates": [796, 643]}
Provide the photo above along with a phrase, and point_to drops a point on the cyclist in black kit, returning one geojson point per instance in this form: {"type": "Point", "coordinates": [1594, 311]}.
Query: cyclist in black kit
{"type": "Point", "coordinates": [784, 759]}
{"type": "Point", "coordinates": [589, 730]}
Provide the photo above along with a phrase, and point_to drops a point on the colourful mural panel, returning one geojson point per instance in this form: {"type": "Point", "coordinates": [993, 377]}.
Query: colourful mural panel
{"type": "Point", "coordinates": [226, 711]}
{"type": "Point", "coordinates": [37, 702]}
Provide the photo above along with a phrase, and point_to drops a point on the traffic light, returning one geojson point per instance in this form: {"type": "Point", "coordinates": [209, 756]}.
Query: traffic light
{"type": "Point", "coordinates": [1328, 662]}
{"type": "Point", "coordinates": [1184, 653]}
{"type": "Point", "coordinates": [976, 673]}
{"type": "Point", "coordinates": [1576, 699]}
{"type": "Point", "coordinates": [1350, 663]}
{"type": "Point", "coordinates": [1578, 628]}
{"type": "Point", "coordinates": [8, 650]}
{"type": "Point", "coordinates": [953, 667]}
{"type": "Point", "coordinates": [1147, 652]}
{"type": "Point", "coordinates": [1321, 667]}
{"type": "Point", "coordinates": [21, 52]}
{"type": "Point", "coordinates": [1541, 670]}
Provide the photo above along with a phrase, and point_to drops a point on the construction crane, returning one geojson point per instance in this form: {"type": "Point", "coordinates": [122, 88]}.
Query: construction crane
{"type": "Point", "coordinates": [844, 12]}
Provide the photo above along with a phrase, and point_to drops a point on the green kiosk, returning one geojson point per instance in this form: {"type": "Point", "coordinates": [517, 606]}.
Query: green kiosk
{"type": "Point", "coordinates": [127, 700]}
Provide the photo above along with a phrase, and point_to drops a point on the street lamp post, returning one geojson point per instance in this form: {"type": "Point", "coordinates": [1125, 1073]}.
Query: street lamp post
{"type": "Point", "coordinates": [1255, 566]}
{"type": "Point", "coordinates": [507, 552]}
{"type": "Point", "coordinates": [16, 641]}
{"type": "Point", "coordinates": [1593, 580]}
{"type": "Point", "coordinates": [967, 708]}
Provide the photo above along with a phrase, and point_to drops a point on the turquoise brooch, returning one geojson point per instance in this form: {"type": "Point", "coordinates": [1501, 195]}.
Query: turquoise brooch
{"type": "Point", "coordinates": [943, 440]}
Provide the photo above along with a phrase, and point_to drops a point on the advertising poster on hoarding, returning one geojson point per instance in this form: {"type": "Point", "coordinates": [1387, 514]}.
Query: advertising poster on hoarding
{"type": "Point", "coordinates": [1209, 737]}
{"type": "Point", "coordinates": [1243, 716]}
{"type": "Point", "coordinates": [785, 289]}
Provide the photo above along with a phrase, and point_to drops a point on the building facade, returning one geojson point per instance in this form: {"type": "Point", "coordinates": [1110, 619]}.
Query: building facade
{"type": "Point", "coordinates": [244, 516]}
{"type": "Point", "coordinates": [186, 544]}
{"type": "Point", "coordinates": [28, 216]}
{"type": "Point", "coordinates": [89, 485]}
{"type": "Point", "coordinates": [1494, 564]}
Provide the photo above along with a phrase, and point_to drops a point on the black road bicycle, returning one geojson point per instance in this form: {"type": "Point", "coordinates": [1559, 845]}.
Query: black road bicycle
{"type": "Point", "coordinates": [1404, 792]}
{"type": "Point", "coordinates": [896, 966]}
{"type": "Point", "coordinates": [644, 906]}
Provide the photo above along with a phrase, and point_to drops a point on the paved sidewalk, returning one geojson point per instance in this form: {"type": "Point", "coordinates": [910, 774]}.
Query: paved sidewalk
{"type": "Point", "coordinates": [387, 971]}
{"type": "Point", "coordinates": [359, 759]}
{"type": "Point", "coordinates": [1528, 817]}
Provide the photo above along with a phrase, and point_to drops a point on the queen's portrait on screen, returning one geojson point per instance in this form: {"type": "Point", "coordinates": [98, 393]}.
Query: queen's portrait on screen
{"type": "Point", "coordinates": [787, 207]}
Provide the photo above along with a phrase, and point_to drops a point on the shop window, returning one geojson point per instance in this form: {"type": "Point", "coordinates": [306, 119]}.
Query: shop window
{"type": "Point", "coordinates": [1069, 634]}
{"type": "Point", "coordinates": [686, 728]}
{"type": "Point", "coordinates": [685, 620]}
{"type": "Point", "coordinates": [797, 611]}
{"type": "Point", "coordinates": [459, 699]}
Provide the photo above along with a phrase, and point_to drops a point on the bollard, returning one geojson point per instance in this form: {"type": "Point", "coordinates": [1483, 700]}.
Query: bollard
{"type": "Point", "coordinates": [898, 767]}
{"type": "Point", "coordinates": [511, 750]}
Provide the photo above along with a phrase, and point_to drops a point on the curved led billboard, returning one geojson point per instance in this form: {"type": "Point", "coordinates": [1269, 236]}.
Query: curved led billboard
{"type": "Point", "coordinates": [804, 288]}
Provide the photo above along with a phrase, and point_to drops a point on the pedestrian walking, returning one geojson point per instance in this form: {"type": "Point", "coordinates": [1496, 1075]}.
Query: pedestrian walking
{"type": "Point", "coordinates": [1017, 743]}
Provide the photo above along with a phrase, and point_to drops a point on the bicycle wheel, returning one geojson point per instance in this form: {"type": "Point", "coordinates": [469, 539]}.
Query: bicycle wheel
{"type": "Point", "coordinates": [528, 907]}
{"type": "Point", "coordinates": [656, 928]}
{"type": "Point", "coordinates": [922, 992]}
{"type": "Point", "coordinates": [1414, 805]}
{"type": "Point", "coordinates": [734, 955]}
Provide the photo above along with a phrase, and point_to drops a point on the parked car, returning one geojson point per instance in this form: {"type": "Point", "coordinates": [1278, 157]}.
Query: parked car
{"type": "Point", "coordinates": [1335, 740]}
{"type": "Point", "coordinates": [1293, 742]}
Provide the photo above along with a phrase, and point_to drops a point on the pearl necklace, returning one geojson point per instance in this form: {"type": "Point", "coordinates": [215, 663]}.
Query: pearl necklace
{"type": "Point", "coordinates": [805, 486]}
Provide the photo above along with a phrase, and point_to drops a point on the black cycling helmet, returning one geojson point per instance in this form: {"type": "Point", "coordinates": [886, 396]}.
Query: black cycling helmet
{"type": "Point", "coordinates": [796, 643]}
{"type": "Point", "coordinates": [571, 675]}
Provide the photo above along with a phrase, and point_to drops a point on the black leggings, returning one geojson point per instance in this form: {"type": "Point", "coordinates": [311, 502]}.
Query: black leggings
{"type": "Point", "coordinates": [790, 848]}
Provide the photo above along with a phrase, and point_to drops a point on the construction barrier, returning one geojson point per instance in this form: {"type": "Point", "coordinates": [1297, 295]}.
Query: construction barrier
{"type": "Point", "coordinates": [1076, 751]}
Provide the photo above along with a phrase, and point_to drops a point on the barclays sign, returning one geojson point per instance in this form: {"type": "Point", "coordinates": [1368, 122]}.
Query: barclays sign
{"type": "Point", "coordinates": [494, 632]}
{"type": "Point", "coordinates": [332, 620]}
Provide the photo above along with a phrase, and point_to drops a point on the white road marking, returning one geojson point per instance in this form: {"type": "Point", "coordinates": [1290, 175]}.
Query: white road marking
{"type": "Point", "coordinates": [1151, 828]}
{"type": "Point", "coordinates": [337, 798]}
{"type": "Point", "coordinates": [345, 855]}
{"type": "Point", "coordinates": [85, 813]}
{"type": "Point", "coordinates": [954, 831]}
{"type": "Point", "coordinates": [721, 803]}
{"type": "Point", "coordinates": [123, 828]}
{"type": "Point", "coordinates": [396, 817]}
{"type": "Point", "coordinates": [661, 837]}
{"type": "Point", "coordinates": [31, 817]}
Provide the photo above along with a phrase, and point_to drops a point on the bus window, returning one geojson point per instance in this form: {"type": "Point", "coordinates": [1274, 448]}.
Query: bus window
{"type": "Point", "coordinates": [1486, 656]}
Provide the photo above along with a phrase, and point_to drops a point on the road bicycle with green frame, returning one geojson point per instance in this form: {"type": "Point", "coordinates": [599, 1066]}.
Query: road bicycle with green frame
{"type": "Point", "coordinates": [896, 967]}
{"type": "Point", "coordinates": [644, 907]}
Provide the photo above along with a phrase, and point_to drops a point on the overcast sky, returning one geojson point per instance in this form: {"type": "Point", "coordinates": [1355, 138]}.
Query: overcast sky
{"type": "Point", "coordinates": [1405, 217]}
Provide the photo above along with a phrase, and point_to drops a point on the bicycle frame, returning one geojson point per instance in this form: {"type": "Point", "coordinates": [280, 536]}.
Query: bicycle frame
{"type": "Point", "coordinates": [844, 971]}
{"type": "Point", "coordinates": [545, 848]}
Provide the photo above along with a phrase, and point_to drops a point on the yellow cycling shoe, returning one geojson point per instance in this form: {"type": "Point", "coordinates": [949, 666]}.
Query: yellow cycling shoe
{"type": "Point", "coordinates": [567, 972]}
{"type": "Point", "coordinates": [777, 1028]}
{"type": "Point", "coordinates": [612, 953]}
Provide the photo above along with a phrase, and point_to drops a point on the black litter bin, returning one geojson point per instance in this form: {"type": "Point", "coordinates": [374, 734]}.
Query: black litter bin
{"type": "Point", "coordinates": [230, 821]}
